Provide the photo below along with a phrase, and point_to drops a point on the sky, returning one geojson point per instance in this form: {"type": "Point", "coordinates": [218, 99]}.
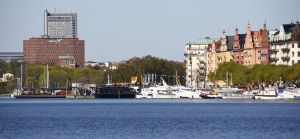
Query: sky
{"type": "Point", "coordinates": [116, 30]}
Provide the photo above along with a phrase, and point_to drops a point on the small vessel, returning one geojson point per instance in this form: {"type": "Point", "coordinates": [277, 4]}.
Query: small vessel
{"type": "Point", "coordinates": [115, 91]}
{"type": "Point", "coordinates": [289, 93]}
{"type": "Point", "coordinates": [211, 95]}
{"type": "Point", "coordinates": [268, 93]}
{"type": "Point", "coordinates": [159, 91]}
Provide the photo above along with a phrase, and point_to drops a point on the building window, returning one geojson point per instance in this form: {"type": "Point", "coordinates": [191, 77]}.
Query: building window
{"type": "Point", "coordinates": [299, 61]}
{"type": "Point", "coordinates": [258, 58]}
{"type": "Point", "coordinates": [298, 45]}
{"type": "Point", "coordinates": [259, 51]}
{"type": "Point", "coordinates": [292, 45]}
{"type": "Point", "coordinates": [293, 54]}
{"type": "Point", "coordinates": [292, 62]}
{"type": "Point", "coordinates": [255, 38]}
{"type": "Point", "coordinates": [258, 44]}
{"type": "Point", "coordinates": [298, 53]}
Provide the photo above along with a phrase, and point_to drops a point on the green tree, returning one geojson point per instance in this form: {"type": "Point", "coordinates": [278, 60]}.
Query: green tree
{"type": "Point", "coordinates": [10, 86]}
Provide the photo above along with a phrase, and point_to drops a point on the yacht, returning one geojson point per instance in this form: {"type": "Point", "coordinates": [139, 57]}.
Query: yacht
{"type": "Point", "coordinates": [268, 93]}
{"type": "Point", "coordinates": [289, 93]}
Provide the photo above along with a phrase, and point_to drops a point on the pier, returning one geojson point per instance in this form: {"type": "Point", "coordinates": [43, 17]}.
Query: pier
{"type": "Point", "coordinates": [40, 96]}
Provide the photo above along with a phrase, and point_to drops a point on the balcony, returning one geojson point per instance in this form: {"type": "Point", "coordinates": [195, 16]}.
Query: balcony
{"type": "Point", "coordinates": [285, 50]}
{"type": "Point", "coordinates": [201, 78]}
{"type": "Point", "coordinates": [273, 51]}
{"type": "Point", "coordinates": [286, 58]}
{"type": "Point", "coordinates": [202, 73]}
{"type": "Point", "coordinates": [202, 62]}
{"type": "Point", "coordinates": [273, 59]}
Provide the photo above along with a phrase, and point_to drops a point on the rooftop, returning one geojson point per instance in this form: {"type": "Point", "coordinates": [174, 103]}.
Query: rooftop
{"type": "Point", "coordinates": [205, 41]}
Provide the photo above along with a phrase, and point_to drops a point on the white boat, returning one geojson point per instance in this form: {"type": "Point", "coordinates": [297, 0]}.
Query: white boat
{"type": "Point", "coordinates": [289, 93]}
{"type": "Point", "coordinates": [268, 93]}
{"type": "Point", "coordinates": [187, 92]}
{"type": "Point", "coordinates": [158, 92]}
{"type": "Point", "coordinates": [165, 91]}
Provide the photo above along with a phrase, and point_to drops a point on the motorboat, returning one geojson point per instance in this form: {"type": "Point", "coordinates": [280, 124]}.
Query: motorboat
{"type": "Point", "coordinates": [268, 93]}
{"type": "Point", "coordinates": [289, 93]}
{"type": "Point", "coordinates": [210, 95]}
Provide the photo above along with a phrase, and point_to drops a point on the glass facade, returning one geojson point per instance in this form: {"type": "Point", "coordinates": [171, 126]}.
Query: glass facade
{"type": "Point", "coordinates": [60, 25]}
{"type": "Point", "coordinates": [8, 56]}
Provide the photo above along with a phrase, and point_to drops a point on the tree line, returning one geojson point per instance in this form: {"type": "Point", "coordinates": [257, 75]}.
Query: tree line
{"type": "Point", "coordinates": [269, 74]}
{"type": "Point", "coordinates": [34, 75]}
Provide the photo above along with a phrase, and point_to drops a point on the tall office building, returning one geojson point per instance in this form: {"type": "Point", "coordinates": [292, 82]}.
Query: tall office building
{"type": "Point", "coordinates": [65, 52]}
{"type": "Point", "coordinates": [60, 25]}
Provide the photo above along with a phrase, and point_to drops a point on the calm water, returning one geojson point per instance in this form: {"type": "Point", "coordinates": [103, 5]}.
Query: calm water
{"type": "Point", "coordinates": [148, 118]}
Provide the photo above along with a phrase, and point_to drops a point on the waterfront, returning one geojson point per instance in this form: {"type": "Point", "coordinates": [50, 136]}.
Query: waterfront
{"type": "Point", "coordinates": [148, 118]}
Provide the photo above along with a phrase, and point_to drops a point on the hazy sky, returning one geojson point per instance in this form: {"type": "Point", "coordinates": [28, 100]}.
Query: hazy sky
{"type": "Point", "coordinates": [116, 30]}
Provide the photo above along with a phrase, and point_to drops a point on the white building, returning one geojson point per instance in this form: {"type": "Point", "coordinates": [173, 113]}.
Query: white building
{"type": "Point", "coordinates": [285, 45]}
{"type": "Point", "coordinates": [195, 58]}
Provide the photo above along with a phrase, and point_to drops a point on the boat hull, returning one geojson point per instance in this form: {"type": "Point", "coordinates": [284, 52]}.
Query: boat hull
{"type": "Point", "coordinates": [260, 97]}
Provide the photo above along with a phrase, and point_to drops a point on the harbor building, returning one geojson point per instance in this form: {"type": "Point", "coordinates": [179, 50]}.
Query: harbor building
{"type": "Point", "coordinates": [195, 59]}
{"type": "Point", "coordinates": [238, 47]}
{"type": "Point", "coordinates": [223, 52]}
{"type": "Point", "coordinates": [9, 56]}
{"type": "Point", "coordinates": [256, 47]}
{"type": "Point", "coordinates": [65, 51]}
{"type": "Point", "coordinates": [60, 25]}
{"type": "Point", "coordinates": [261, 44]}
{"type": "Point", "coordinates": [285, 45]}
{"type": "Point", "coordinates": [218, 52]}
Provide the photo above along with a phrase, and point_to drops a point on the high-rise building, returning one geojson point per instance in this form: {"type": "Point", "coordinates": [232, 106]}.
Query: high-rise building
{"type": "Point", "coordinates": [60, 25]}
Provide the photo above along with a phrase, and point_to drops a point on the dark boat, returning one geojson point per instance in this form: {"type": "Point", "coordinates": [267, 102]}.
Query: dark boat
{"type": "Point", "coordinates": [115, 91]}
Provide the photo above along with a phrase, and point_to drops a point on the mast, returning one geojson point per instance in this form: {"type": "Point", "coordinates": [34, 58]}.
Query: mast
{"type": "Point", "coordinates": [21, 79]}
{"type": "Point", "coordinates": [47, 77]}
{"type": "Point", "coordinates": [67, 87]}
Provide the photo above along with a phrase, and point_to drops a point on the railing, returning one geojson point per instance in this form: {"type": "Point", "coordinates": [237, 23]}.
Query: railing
{"type": "Point", "coordinates": [286, 58]}
{"type": "Point", "coordinates": [273, 51]}
{"type": "Point", "coordinates": [285, 49]}
{"type": "Point", "coordinates": [273, 59]}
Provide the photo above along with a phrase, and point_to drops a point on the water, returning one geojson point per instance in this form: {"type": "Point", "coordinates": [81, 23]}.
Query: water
{"type": "Point", "coordinates": [148, 118]}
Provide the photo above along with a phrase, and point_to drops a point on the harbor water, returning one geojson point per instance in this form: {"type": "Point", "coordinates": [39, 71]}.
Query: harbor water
{"type": "Point", "coordinates": [147, 118]}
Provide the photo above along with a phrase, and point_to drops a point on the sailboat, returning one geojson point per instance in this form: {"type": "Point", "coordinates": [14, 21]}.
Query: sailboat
{"type": "Point", "coordinates": [18, 90]}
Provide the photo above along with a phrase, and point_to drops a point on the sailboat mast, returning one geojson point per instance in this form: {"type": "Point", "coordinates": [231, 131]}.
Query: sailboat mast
{"type": "Point", "coordinates": [47, 77]}
{"type": "Point", "coordinates": [21, 79]}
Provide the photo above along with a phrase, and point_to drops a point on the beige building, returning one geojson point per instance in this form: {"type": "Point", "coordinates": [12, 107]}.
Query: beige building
{"type": "Point", "coordinates": [219, 52]}
{"type": "Point", "coordinates": [195, 59]}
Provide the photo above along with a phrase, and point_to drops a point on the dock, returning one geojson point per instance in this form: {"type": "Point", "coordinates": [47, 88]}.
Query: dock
{"type": "Point", "coordinates": [79, 96]}
{"type": "Point", "coordinates": [40, 96]}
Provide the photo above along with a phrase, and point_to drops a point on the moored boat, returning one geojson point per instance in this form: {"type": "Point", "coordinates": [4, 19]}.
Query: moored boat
{"type": "Point", "coordinates": [211, 95]}
{"type": "Point", "coordinates": [269, 93]}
